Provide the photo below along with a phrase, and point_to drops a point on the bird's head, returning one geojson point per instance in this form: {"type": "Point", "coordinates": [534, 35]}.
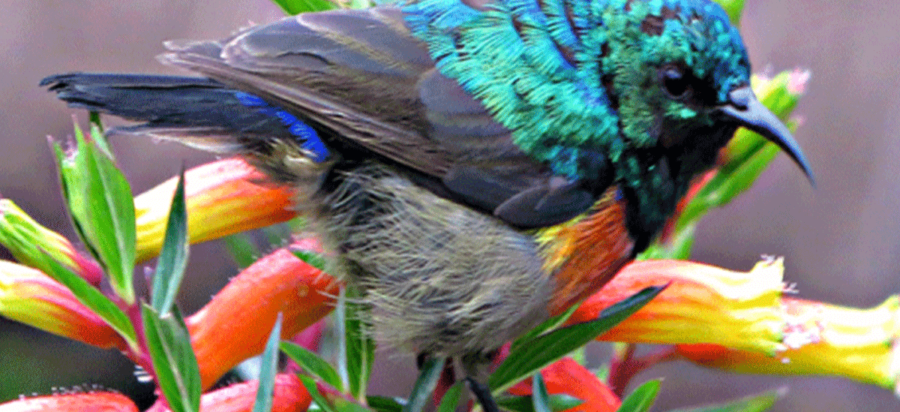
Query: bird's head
{"type": "Point", "coordinates": [678, 75]}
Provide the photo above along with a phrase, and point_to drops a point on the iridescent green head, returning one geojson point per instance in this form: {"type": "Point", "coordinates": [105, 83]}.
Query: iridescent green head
{"type": "Point", "coordinates": [655, 87]}
{"type": "Point", "coordinates": [667, 65]}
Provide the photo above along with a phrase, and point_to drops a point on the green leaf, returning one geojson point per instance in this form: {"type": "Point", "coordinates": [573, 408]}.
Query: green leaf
{"type": "Point", "coordinates": [733, 8]}
{"type": "Point", "coordinates": [451, 398]}
{"type": "Point", "coordinates": [425, 384]}
{"type": "Point", "coordinates": [174, 254]}
{"type": "Point", "coordinates": [241, 249]}
{"type": "Point", "coordinates": [385, 404]}
{"type": "Point", "coordinates": [641, 399]}
{"type": "Point", "coordinates": [557, 403]}
{"type": "Point", "coordinates": [548, 325]}
{"type": "Point", "coordinates": [89, 296]}
{"type": "Point", "coordinates": [340, 337]}
{"type": "Point", "coordinates": [97, 135]}
{"type": "Point", "coordinates": [295, 7]}
{"type": "Point", "coordinates": [545, 349]}
{"type": "Point", "coordinates": [356, 350]}
{"type": "Point", "coordinates": [361, 4]}
{"type": "Point", "coordinates": [267, 370]}
{"type": "Point", "coordinates": [102, 209]}
{"type": "Point", "coordinates": [174, 361]}
{"type": "Point", "coordinates": [310, 384]}
{"type": "Point", "coordinates": [344, 405]}
{"type": "Point", "coordinates": [313, 364]}
{"type": "Point", "coordinates": [540, 399]}
{"type": "Point", "coordinates": [754, 403]}
{"type": "Point", "coordinates": [314, 259]}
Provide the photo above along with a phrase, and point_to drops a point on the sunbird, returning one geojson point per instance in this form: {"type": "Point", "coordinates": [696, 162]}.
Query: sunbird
{"type": "Point", "coordinates": [473, 166]}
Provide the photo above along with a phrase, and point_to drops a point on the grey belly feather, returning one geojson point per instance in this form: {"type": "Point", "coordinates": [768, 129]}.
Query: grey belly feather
{"type": "Point", "coordinates": [439, 278]}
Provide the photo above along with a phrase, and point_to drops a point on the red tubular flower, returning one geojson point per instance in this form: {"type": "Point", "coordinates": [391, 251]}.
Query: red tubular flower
{"type": "Point", "coordinates": [703, 304]}
{"type": "Point", "coordinates": [33, 298]}
{"type": "Point", "coordinates": [224, 197]}
{"type": "Point", "coordinates": [236, 323]}
{"type": "Point", "coordinates": [73, 402]}
{"type": "Point", "coordinates": [289, 396]}
{"type": "Point", "coordinates": [566, 376]}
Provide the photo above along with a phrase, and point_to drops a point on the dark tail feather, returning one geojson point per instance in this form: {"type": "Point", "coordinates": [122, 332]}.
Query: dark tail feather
{"type": "Point", "coordinates": [195, 111]}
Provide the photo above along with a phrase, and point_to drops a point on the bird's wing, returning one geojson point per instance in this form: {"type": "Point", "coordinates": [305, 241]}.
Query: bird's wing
{"type": "Point", "coordinates": [362, 78]}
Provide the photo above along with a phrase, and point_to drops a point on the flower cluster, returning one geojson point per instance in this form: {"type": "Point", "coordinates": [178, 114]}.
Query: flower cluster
{"type": "Point", "coordinates": [730, 320]}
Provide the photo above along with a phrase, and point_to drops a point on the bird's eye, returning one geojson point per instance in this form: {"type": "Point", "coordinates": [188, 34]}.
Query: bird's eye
{"type": "Point", "coordinates": [674, 81]}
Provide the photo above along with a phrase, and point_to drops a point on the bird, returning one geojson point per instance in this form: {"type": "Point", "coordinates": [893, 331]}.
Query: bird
{"type": "Point", "coordinates": [472, 166]}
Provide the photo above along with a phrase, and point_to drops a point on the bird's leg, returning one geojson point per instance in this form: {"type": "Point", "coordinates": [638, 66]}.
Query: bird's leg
{"type": "Point", "coordinates": [477, 368]}
{"type": "Point", "coordinates": [483, 394]}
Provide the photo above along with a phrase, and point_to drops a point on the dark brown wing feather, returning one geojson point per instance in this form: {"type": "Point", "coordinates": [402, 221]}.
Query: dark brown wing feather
{"type": "Point", "coordinates": [363, 76]}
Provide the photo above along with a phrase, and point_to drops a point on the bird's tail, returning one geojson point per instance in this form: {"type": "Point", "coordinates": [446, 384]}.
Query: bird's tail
{"type": "Point", "coordinates": [195, 111]}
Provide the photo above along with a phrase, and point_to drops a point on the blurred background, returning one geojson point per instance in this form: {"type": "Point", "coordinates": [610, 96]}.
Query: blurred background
{"type": "Point", "coordinates": [841, 240]}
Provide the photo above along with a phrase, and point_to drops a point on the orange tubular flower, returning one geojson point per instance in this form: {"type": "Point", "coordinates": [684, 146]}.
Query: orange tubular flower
{"type": "Point", "coordinates": [33, 298]}
{"type": "Point", "coordinates": [289, 396]}
{"type": "Point", "coordinates": [73, 402]}
{"type": "Point", "coordinates": [703, 304]}
{"type": "Point", "coordinates": [566, 376]}
{"type": "Point", "coordinates": [821, 339]}
{"type": "Point", "coordinates": [223, 198]}
{"type": "Point", "coordinates": [235, 324]}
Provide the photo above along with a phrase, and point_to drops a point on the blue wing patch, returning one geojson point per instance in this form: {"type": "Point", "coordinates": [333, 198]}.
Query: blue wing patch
{"type": "Point", "coordinates": [308, 137]}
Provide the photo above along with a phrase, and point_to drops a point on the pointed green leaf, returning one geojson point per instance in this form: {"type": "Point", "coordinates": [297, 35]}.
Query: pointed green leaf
{"type": "Point", "coordinates": [102, 209]}
{"type": "Point", "coordinates": [540, 399]}
{"type": "Point", "coordinates": [385, 404]}
{"type": "Point", "coordinates": [356, 349]}
{"type": "Point", "coordinates": [754, 403]}
{"type": "Point", "coordinates": [267, 370]}
{"type": "Point", "coordinates": [641, 399]}
{"type": "Point", "coordinates": [340, 337]}
{"type": "Point", "coordinates": [425, 384]}
{"type": "Point", "coordinates": [97, 135]}
{"type": "Point", "coordinates": [312, 363]}
{"type": "Point", "coordinates": [295, 7]}
{"type": "Point", "coordinates": [92, 298]}
{"type": "Point", "coordinates": [548, 325]}
{"type": "Point", "coordinates": [557, 403]}
{"type": "Point", "coordinates": [174, 361]}
{"type": "Point", "coordinates": [451, 398]}
{"type": "Point", "coordinates": [174, 254]}
{"type": "Point", "coordinates": [310, 384]}
{"type": "Point", "coordinates": [545, 349]}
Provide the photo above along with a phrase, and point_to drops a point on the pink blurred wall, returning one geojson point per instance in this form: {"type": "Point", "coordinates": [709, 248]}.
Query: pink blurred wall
{"type": "Point", "coordinates": [841, 240]}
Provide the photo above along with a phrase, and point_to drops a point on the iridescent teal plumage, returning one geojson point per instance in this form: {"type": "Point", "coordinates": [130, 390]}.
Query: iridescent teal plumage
{"type": "Point", "coordinates": [463, 159]}
{"type": "Point", "coordinates": [568, 76]}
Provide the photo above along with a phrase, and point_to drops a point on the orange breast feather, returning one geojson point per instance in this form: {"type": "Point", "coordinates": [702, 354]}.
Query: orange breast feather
{"type": "Point", "coordinates": [586, 252]}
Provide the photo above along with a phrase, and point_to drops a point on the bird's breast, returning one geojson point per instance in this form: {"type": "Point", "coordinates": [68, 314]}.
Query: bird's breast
{"type": "Point", "coordinates": [586, 252]}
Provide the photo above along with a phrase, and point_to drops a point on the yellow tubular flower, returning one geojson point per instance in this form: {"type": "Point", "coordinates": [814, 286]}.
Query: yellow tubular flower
{"type": "Point", "coordinates": [224, 197]}
{"type": "Point", "coordinates": [821, 339]}
{"type": "Point", "coordinates": [33, 298]}
{"type": "Point", "coordinates": [703, 304]}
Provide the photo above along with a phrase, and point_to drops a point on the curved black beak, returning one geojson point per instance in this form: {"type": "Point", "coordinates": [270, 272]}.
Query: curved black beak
{"type": "Point", "coordinates": [747, 111]}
